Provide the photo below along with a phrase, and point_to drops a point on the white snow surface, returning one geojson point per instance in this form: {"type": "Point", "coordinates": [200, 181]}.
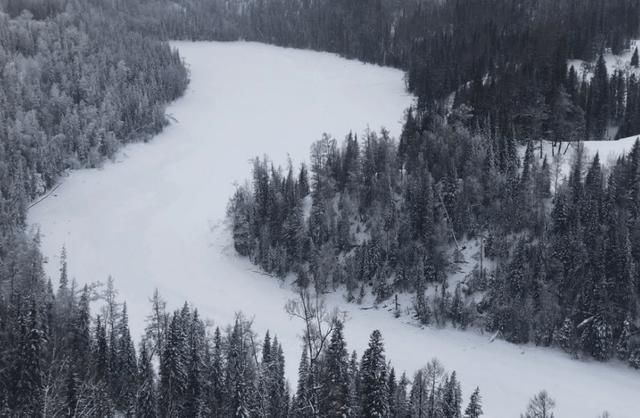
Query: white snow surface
{"type": "Point", "coordinates": [620, 62]}
{"type": "Point", "coordinates": [155, 219]}
{"type": "Point", "coordinates": [609, 151]}
{"type": "Point", "coordinates": [562, 163]}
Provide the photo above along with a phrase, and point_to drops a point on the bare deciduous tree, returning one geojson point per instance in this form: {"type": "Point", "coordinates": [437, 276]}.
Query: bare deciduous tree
{"type": "Point", "coordinates": [319, 323]}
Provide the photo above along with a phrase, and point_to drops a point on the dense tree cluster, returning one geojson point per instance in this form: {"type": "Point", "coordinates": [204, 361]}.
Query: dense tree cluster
{"type": "Point", "coordinates": [76, 85]}
{"type": "Point", "coordinates": [57, 359]}
{"type": "Point", "coordinates": [379, 217]}
{"type": "Point", "coordinates": [506, 60]}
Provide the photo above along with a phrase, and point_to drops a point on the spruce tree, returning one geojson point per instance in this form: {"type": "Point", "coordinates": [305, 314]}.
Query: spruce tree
{"type": "Point", "coordinates": [71, 393]}
{"type": "Point", "coordinates": [303, 405]}
{"type": "Point", "coordinates": [216, 376]}
{"type": "Point", "coordinates": [240, 371]}
{"type": "Point", "coordinates": [474, 408]}
{"type": "Point", "coordinates": [29, 386]}
{"type": "Point", "coordinates": [278, 391]}
{"type": "Point", "coordinates": [622, 346]}
{"type": "Point", "coordinates": [373, 379]}
{"type": "Point", "coordinates": [146, 400]}
{"type": "Point", "coordinates": [354, 383]}
{"type": "Point", "coordinates": [81, 339]}
{"type": "Point", "coordinates": [401, 407]}
{"type": "Point", "coordinates": [452, 398]}
{"type": "Point", "coordinates": [634, 358]}
{"type": "Point", "coordinates": [173, 370]}
{"type": "Point", "coordinates": [265, 381]}
{"type": "Point", "coordinates": [127, 373]}
{"type": "Point", "coordinates": [100, 355]}
{"type": "Point", "coordinates": [392, 385]}
{"type": "Point", "coordinates": [194, 396]}
{"type": "Point", "coordinates": [336, 375]}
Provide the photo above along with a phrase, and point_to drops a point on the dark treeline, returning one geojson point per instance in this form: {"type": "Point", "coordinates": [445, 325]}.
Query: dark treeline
{"type": "Point", "coordinates": [380, 217]}
{"type": "Point", "coordinates": [76, 85]}
{"type": "Point", "coordinates": [505, 60]}
{"type": "Point", "coordinates": [57, 359]}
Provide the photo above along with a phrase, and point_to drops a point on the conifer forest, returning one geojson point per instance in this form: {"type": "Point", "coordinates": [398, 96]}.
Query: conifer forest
{"type": "Point", "coordinates": [497, 209]}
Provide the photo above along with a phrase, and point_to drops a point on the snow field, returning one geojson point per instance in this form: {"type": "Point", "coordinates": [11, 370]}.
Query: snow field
{"type": "Point", "coordinates": [155, 219]}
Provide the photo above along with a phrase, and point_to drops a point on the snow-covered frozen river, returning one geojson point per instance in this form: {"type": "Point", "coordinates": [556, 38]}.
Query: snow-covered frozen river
{"type": "Point", "coordinates": [154, 219]}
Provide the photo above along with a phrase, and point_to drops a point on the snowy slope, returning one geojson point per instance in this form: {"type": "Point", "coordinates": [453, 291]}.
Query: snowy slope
{"type": "Point", "coordinates": [155, 219]}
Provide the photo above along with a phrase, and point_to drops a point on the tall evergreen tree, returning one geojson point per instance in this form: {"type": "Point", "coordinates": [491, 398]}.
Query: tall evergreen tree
{"type": "Point", "coordinates": [452, 398]}
{"type": "Point", "coordinates": [336, 375]}
{"type": "Point", "coordinates": [173, 370]}
{"type": "Point", "coordinates": [474, 408]}
{"type": "Point", "coordinates": [373, 378]}
{"type": "Point", "coordinates": [146, 400]}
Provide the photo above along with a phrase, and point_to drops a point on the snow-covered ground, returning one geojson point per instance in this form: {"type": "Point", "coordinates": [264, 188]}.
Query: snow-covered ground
{"type": "Point", "coordinates": [610, 151]}
{"type": "Point", "coordinates": [562, 157]}
{"type": "Point", "coordinates": [154, 219]}
{"type": "Point", "coordinates": [621, 62]}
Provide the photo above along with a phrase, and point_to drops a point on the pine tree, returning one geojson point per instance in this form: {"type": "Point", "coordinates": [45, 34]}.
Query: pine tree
{"type": "Point", "coordinates": [373, 379]}
{"type": "Point", "coordinates": [194, 396]}
{"type": "Point", "coordinates": [634, 358]}
{"type": "Point", "coordinates": [81, 340]}
{"type": "Point", "coordinates": [278, 391]}
{"type": "Point", "coordinates": [597, 337]}
{"type": "Point", "coordinates": [622, 346]}
{"type": "Point", "coordinates": [100, 355]}
{"type": "Point", "coordinates": [242, 223]}
{"type": "Point", "coordinates": [216, 375]}
{"type": "Point", "coordinates": [452, 398]}
{"type": "Point", "coordinates": [600, 101]}
{"type": "Point", "coordinates": [474, 408]}
{"type": "Point", "coordinates": [354, 383]}
{"type": "Point", "coordinates": [71, 394]}
{"type": "Point", "coordinates": [240, 372]}
{"type": "Point", "coordinates": [336, 375]}
{"type": "Point", "coordinates": [127, 373]}
{"type": "Point", "coordinates": [392, 385]}
{"type": "Point", "coordinates": [634, 58]}
{"type": "Point", "coordinates": [565, 337]}
{"type": "Point", "coordinates": [400, 402]}
{"type": "Point", "coordinates": [266, 376]}
{"type": "Point", "coordinates": [29, 383]}
{"type": "Point", "coordinates": [146, 402]}
{"type": "Point", "coordinates": [456, 310]}
{"type": "Point", "coordinates": [303, 405]}
{"type": "Point", "coordinates": [173, 371]}
{"type": "Point", "coordinates": [64, 275]}
{"type": "Point", "coordinates": [303, 181]}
